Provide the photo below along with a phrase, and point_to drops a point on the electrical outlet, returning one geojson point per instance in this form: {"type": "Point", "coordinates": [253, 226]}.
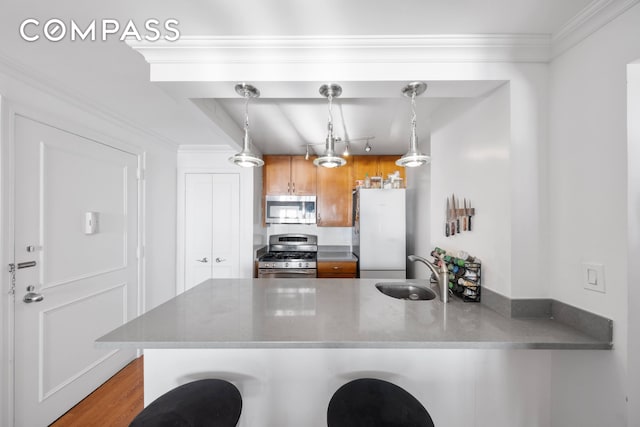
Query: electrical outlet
{"type": "Point", "coordinates": [593, 277]}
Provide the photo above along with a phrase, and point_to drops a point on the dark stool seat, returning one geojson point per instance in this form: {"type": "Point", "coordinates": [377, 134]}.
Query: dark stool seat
{"type": "Point", "coordinates": [210, 402]}
{"type": "Point", "coordinates": [369, 402]}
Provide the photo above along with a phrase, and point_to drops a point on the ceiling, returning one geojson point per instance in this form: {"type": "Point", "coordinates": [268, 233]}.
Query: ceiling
{"type": "Point", "coordinates": [114, 78]}
{"type": "Point", "coordinates": [376, 113]}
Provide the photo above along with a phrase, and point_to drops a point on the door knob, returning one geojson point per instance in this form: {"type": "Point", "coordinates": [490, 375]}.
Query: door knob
{"type": "Point", "coordinates": [203, 260]}
{"type": "Point", "coordinates": [32, 296]}
{"type": "Point", "coordinates": [221, 259]}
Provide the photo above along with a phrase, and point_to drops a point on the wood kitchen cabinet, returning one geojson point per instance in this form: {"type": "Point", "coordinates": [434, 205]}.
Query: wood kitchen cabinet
{"type": "Point", "coordinates": [288, 175]}
{"type": "Point", "coordinates": [337, 269]}
{"type": "Point", "coordinates": [334, 197]}
{"type": "Point", "coordinates": [376, 166]}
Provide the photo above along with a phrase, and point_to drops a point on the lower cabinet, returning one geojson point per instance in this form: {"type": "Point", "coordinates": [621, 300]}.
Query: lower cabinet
{"type": "Point", "coordinates": [337, 269]}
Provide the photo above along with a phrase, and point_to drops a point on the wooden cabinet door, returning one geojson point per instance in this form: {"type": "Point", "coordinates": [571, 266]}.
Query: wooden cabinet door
{"type": "Point", "coordinates": [363, 165]}
{"type": "Point", "coordinates": [387, 165]}
{"type": "Point", "coordinates": [276, 179]}
{"type": "Point", "coordinates": [334, 196]}
{"type": "Point", "coordinates": [303, 176]}
{"type": "Point", "coordinates": [337, 269]}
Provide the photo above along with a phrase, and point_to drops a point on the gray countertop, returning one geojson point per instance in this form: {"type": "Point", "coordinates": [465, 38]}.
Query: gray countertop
{"type": "Point", "coordinates": [336, 256]}
{"type": "Point", "coordinates": [331, 313]}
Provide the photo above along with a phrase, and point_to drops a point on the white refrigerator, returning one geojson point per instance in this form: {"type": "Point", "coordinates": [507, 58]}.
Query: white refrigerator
{"type": "Point", "coordinates": [379, 232]}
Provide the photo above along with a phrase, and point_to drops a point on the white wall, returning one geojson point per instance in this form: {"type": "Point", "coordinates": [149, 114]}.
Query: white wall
{"type": "Point", "coordinates": [470, 149]}
{"type": "Point", "coordinates": [333, 236]}
{"type": "Point", "coordinates": [160, 232]}
{"type": "Point", "coordinates": [212, 159]}
{"type": "Point", "coordinates": [524, 105]}
{"type": "Point", "coordinates": [418, 214]}
{"type": "Point", "coordinates": [67, 112]}
{"type": "Point", "coordinates": [587, 167]}
{"type": "Point", "coordinates": [633, 192]}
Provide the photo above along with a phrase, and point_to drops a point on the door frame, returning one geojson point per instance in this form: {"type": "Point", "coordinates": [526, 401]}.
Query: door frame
{"type": "Point", "coordinates": [633, 245]}
{"type": "Point", "coordinates": [9, 110]}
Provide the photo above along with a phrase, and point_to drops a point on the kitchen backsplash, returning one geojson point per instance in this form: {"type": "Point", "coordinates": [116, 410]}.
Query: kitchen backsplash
{"type": "Point", "coordinates": [334, 236]}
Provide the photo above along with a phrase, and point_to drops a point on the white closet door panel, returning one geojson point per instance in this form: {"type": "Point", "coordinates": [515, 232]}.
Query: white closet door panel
{"type": "Point", "coordinates": [226, 225]}
{"type": "Point", "coordinates": [198, 228]}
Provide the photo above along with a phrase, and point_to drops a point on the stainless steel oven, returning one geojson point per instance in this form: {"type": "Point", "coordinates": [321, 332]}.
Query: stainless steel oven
{"type": "Point", "coordinates": [289, 256]}
{"type": "Point", "coordinates": [291, 273]}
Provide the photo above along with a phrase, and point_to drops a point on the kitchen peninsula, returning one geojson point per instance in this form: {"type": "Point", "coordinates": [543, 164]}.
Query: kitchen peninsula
{"type": "Point", "coordinates": [289, 344]}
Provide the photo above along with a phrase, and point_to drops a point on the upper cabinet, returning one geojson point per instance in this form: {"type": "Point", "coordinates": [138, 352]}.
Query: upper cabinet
{"type": "Point", "coordinates": [334, 196]}
{"type": "Point", "coordinates": [293, 175]}
{"type": "Point", "coordinates": [380, 166]}
{"type": "Point", "coordinates": [289, 175]}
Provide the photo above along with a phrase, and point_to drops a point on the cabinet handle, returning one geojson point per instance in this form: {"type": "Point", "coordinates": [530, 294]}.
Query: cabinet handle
{"type": "Point", "coordinates": [288, 187]}
{"type": "Point", "coordinates": [221, 259]}
{"type": "Point", "coordinates": [203, 260]}
{"type": "Point", "coordinates": [335, 267]}
{"type": "Point", "coordinates": [294, 188]}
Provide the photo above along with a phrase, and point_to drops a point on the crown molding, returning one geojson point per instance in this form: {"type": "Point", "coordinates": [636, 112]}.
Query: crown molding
{"type": "Point", "coordinates": [594, 16]}
{"type": "Point", "coordinates": [25, 75]}
{"type": "Point", "coordinates": [205, 148]}
{"type": "Point", "coordinates": [347, 49]}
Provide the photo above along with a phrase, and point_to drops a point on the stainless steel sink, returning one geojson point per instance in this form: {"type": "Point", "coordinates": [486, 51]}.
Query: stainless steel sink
{"type": "Point", "coordinates": [405, 290]}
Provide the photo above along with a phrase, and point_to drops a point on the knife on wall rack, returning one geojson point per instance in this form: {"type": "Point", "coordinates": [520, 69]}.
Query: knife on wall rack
{"type": "Point", "coordinates": [464, 215]}
{"type": "Point", "coordinates": [456, 204]}
{"type": "Point", "coordinates": [453, 215]}
{"type": "Point", "coordinates": [447, 214]}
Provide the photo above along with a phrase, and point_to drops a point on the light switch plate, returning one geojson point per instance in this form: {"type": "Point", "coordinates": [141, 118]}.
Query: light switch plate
{"type": "Point", "coordinates": [593, 277]}
{"type": "Point", "coordinates": [91, 223]}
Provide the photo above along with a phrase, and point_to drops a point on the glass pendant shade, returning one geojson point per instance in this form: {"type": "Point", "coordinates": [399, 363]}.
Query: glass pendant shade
{"type": "Point", "coordinates": [413, 157]}
{"type": "Point", "coordinates": [329, 158]}
{"type": "Point", "coordinates": [246, 158]}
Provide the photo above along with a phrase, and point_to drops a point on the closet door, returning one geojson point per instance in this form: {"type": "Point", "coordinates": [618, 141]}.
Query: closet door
{"type": "Point", "coordinates": [212, 210]}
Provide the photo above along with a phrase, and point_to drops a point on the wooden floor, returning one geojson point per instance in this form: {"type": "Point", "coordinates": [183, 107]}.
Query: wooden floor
{"type": "Point", "coordinates": [115, 403]}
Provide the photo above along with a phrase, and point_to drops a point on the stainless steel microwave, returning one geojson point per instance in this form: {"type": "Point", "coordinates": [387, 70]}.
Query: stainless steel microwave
{"type": "Point", "coordinates": [290, 210]}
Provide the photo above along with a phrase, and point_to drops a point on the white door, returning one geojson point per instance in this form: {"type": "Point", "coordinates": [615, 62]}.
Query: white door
{"type": "Point", "coordinates": [88, 280]}
{"type": "Point", "coordinates": [212, 227]}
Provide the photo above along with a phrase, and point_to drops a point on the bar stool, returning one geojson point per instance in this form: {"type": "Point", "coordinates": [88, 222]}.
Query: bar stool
{"type": "Point", "coordinates": [369, 402]}
{"type": "Point", "coordinates": [209, 402]}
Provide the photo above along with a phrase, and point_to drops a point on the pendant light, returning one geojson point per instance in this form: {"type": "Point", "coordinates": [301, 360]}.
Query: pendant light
{"type": "Point", "coordinates": [329, 158]}
{"type": "Point", "coordinates": [246, 158]}
{"type": "Point", "coordinates": [413, 157]}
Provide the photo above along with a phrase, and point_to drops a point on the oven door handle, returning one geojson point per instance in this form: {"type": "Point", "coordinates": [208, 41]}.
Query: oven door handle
{"type": "Point", "coordinates": [288, 271]}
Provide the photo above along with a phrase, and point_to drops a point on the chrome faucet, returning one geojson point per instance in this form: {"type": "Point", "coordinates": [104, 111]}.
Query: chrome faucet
{"type": "Point", "coordinates": [442, 276]}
